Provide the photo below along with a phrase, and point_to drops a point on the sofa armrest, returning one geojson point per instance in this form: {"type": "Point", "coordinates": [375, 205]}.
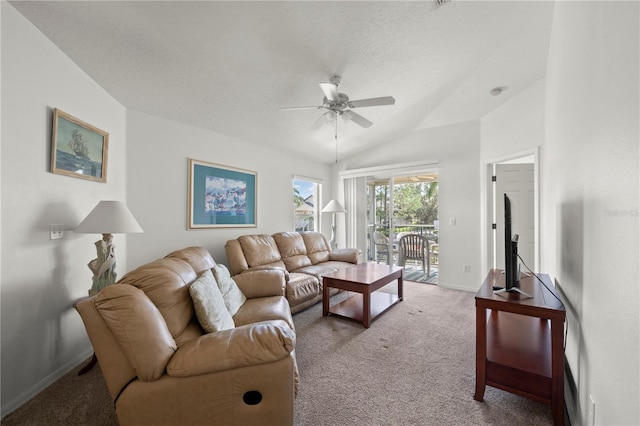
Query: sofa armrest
{"type": "Point", "coordinates": [268, 268]}
{"type": "Point", "coordinates": [345, 255]}
{"type": "Point", "coordinates": [261, 283]}
{"type": "Point", "coordinates": [251, 344]}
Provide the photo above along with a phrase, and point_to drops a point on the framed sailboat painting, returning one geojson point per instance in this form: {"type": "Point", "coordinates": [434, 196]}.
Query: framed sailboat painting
{"type": "Point", "coordinates": [78, 149]}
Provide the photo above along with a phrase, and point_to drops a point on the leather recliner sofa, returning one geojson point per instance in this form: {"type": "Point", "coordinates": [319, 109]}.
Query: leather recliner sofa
{"type": "Point", "coordinates": [304, 256]}
{"type": "Point", "coordinates": [161, 368]}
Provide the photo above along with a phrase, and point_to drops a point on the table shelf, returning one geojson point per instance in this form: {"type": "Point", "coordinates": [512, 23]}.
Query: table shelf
{"type": "Point", "coordinates": [519, 355]}
{"type": "Point", "coordinates": [352, 306]}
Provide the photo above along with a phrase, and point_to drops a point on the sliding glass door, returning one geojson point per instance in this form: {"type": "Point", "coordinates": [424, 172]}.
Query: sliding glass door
{"type": "Point", "coordinates": [397, 206]}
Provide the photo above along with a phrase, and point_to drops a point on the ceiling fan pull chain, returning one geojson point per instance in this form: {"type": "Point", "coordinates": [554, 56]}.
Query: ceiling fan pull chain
{"type": "Point", "coordinates": [336, 139]}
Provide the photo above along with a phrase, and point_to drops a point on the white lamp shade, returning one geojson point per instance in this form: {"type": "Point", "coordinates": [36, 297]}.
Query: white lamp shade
{"type": "Point", "coordinates": [333, 206]}
{"type": "Point", "coordinates": [109, 217]}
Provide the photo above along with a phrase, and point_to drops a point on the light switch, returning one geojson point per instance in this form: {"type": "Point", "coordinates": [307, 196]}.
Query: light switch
{"type": "Point", "coordinates": [57, 231]}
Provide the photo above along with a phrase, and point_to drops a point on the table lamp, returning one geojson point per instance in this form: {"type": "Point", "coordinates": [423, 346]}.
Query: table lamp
{"type": "Point", "coordinates": [333, 207]}
{"type": "Point", "coordinates": [107, 218]}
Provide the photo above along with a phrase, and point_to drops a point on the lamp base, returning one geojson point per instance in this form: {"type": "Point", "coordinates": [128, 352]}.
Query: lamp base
{"type": "Point", "coordinates": [104, 266]}
{"type": "Point", "coordinates": [332, 242]}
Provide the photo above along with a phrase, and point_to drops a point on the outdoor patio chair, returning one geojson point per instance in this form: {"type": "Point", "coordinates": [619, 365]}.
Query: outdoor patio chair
{"type": "Point", "coordinates": [415, 247]}
{"type": "Point", "coordinates": [381, 243]}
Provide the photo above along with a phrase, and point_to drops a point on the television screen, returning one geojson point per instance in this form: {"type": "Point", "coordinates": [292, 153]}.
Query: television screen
{"type": "Point", "coordinates": [511, 269]}
{"type": "Point", "coordinates": [509, 264]}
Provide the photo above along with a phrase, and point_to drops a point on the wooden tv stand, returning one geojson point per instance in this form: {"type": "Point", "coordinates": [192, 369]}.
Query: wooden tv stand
{"type": "Point", "coordinates": [520, 341]}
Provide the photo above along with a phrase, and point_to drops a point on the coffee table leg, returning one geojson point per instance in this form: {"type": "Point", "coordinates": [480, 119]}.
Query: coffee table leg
{"type": "Point", "coordinates": [366, 309]}
{"type": "Point", "coordinates": [325, 297]}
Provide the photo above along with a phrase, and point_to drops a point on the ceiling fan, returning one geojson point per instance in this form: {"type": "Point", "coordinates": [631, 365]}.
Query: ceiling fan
{"type": "Point", "coordinates": [338, 104]}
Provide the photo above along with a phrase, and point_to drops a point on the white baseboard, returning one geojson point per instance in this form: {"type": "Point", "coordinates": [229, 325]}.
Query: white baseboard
{"type": "Point", "coordinates": [457, 287]}
{"type": "Point", "coordinates": [27, 395]}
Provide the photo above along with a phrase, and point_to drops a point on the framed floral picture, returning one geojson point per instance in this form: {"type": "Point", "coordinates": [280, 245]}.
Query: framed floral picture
{"type": "Point", "coordinates": [78, 149]}
{"type": "Point", "coordinates": [221, 196]}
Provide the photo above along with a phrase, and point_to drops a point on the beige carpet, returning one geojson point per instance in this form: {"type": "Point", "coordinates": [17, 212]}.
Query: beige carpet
{"type": "Point", "coordinates": [414, 366]}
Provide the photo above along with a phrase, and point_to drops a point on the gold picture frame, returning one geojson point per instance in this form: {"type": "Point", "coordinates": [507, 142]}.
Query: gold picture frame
{"type": "Point", "coordinates": [78, 149]}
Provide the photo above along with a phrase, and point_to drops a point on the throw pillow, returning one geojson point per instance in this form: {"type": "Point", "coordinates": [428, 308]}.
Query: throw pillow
{"type": "Point", "coordinates": [231, 293]}
{"type": "Point", "coordinates": [209, 305]}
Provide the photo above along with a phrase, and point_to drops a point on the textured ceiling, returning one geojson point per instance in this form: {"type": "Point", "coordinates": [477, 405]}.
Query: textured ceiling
{"type": "Point", "coordinates": [228, 66]}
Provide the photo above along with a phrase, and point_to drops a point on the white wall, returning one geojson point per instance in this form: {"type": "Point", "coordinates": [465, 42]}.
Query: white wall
{"type": "Point", "coordinates": [590, 223]}
{"type": "Point", "coordinates": [42, 335]}
{"type": "Point", "coordinates": [457, 147]}
{"type": "Point", "coordinates": [158, 152]}
{"type": "Point", "coordinates": [516, 126]}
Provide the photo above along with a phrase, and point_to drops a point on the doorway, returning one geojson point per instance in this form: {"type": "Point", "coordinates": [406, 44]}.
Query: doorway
{"type": "Point", "coordinates": [398, 206]}
{"type": "Point", "coordinates": [518, 178]}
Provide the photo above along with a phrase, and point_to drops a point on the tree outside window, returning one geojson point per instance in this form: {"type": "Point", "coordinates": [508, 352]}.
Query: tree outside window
{"type": "Point", "coordinates": [414, 203]}
{"type": "Point", "coordinates": [305, 206]}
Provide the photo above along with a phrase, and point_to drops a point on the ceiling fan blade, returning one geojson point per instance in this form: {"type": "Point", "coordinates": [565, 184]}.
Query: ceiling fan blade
{"type": "Point", "coordinates": [300, 107]}
{"type": "Point", "coordinates": [330, 91]}
{"type": "Point", "coordinates": [358, 119]}
{"type": "Point", "coordinates": [385, 100]}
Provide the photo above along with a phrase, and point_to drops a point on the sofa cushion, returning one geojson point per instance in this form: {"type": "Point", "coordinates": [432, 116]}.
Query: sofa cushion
{"type": "Point", "coordinates": [139, 329]}
{"type": "Point", "coordinates": [301, 288]}
{"type": "Point", "coordinates": [318, 271]}
{"type": "Point", "coordinates": [317, 247]}
{"type": "Point", "coordinates": [165, 282]}
{"type": "Point", "coordinates": [209, 305]}
{"type": "Point", "coordinates": [198, 258]}
{"type": "Point", "coordinates": [259, 249]}
{"type": "Point", "coordinates": [233, 297]}
{"type": "Point", "coordinates": [292, 250]}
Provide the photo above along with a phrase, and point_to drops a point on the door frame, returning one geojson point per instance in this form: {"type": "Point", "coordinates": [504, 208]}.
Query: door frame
{"type": "Point", "coordinates": [488, 202]}
{"type": "Point", "coordinates": [384, 172]}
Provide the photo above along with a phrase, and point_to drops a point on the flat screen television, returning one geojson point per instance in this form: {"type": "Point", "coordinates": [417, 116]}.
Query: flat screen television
{"type": "Point", "coordinates": [511, 265]}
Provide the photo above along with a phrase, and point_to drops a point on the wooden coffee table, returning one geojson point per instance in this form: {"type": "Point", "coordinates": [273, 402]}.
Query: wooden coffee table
{"type": "Point", "coordinates": [365, 279]}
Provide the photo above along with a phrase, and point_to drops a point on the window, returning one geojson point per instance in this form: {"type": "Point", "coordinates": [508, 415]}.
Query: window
{"type": "Point", "coordinates": [306, 197]}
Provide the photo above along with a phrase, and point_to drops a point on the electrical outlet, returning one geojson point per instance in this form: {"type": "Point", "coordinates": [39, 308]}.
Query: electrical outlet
{"type": "Point", "coordinates": [466, 268]}
{"type": "Point", "coordinates": [591, 415]}
{"type": "Point", "coordinates": [56, 231]}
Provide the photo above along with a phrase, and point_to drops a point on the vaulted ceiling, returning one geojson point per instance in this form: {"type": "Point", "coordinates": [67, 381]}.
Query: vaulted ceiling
{"type": "Point", "coordinates": [229, 66]}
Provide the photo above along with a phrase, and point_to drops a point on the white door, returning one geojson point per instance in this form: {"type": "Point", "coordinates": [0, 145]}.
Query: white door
{"type": "Point", "coordinates": [518, 182]}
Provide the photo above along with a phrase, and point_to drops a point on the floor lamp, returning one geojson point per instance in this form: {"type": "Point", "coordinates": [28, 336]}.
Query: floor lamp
{"type": "Point", "coordinates": [107, 218]}
{"type": "Point", "coordinates": [333, 207]}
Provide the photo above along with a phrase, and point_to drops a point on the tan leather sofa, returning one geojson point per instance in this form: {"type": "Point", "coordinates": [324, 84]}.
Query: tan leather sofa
{"type": "Point", "coordinates": [305, 256]}
{"type": "Point", "coordinates": [161, 368]}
